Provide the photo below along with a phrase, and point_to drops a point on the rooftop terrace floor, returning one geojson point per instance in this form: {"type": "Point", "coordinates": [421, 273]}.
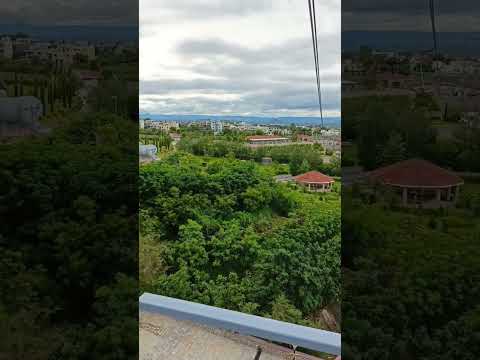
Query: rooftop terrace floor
{"type": "Point", "coordinates": [163, 337]}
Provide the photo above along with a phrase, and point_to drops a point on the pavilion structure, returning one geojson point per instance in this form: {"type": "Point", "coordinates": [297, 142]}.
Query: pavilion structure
{"type": "Point", "coordinates": [315, 181]}
{"type": "Point", "coordinates": [419, 183]}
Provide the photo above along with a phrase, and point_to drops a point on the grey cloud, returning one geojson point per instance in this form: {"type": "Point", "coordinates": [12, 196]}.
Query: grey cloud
{"type": "Point", "coordinates": [410, 15]}
{"type": "Point", "coordinates": [273, 78]}
{"type": "Point", "coordinates": [54, 12]}
{"type": "Point", "coordinates": [297, 51]}
{"type": "Point", "coordinates": [411, 7]}
{"type": "Point", "coordinates": [203, 9]}
{"type": "Point", "coordinates": [305, 102]}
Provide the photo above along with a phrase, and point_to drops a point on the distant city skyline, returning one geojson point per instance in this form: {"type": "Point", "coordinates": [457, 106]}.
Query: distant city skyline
{"type": "Point", "coordinates": [251, 58]}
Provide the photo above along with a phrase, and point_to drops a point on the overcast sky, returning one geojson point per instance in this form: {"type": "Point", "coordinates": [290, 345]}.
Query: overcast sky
{"type": "Point", "coordinates": [69, 12]}
{"type": "Point", "coordinates": [249, 57]}
{"type": "Point", "coordinates": [410, 15]}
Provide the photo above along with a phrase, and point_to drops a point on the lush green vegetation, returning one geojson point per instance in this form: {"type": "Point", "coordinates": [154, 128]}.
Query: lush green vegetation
{"type": "Point", "coordinates": [299, 157]}
{"type": "Point", "coordinates": [54, 89]}
{"type": "Point", "coordinates": [220, 231]}
{"type": "Point", "coordinates": [410, 277]}
{"type": "Point", "coordinates": [411, 281]}
{"type": "Point", "coordinates": [391, 128]}
{"type": "Point", "coordinates": [68, 242]}
{"type": "Point", "coordinates": [156, 137]}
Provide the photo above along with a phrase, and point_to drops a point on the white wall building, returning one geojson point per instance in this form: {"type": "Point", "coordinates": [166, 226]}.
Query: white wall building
{"type": "Point", "coordinates": [217, 127]}
{"type": "Point", "coordinates": [458, 67]}
{"type": "Point", "coordinates": [471, 118]}
{"type": "Point", "coordinates": [164, 126]}
{"type": "Point", "coordinates": [147, 152]}
{"type": "Point", "coordinates": [6, 48]}
{"type": "Point", "coordinates": [20, 116]}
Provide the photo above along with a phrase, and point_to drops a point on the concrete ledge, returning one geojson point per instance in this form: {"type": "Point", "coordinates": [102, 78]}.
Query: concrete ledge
{"type": "Point", "coordinates": [309, 338]}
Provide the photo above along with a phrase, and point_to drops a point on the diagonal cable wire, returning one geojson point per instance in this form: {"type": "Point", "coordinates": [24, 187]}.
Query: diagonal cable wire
{"type": "Point", "coordinates": [319, 86]}
{"type": "Point", "coordinates": [434, 30]}
{"type": "Point", "coordinates": [313, 27]}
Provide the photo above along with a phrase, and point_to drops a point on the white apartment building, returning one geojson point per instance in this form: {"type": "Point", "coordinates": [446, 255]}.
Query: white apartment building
{"type": "Point", "coordinates": [349, 66]}
{"type": "Point", "coordinates": [458, 67]}
{"type": "Point", "coordinates": [471, 118]}
{"type": "Point", "coordinates": [21, 46]}
{"type": "Point", "coordinates": [164, 126]}
{"type": "Point", "coordinates": [217, 127]}
{"type": "Point", "coordinates": [6, 48]}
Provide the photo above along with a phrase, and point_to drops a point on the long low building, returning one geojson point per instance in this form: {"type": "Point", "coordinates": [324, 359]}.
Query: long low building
{"type": "Point", "coordinates": [267, 140]}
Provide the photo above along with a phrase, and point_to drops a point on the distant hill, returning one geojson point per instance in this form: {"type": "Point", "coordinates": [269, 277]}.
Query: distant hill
{"type": "Point", "coordinates": [73, 32]}
{"type": "Point", "coordinates": [333, 122]}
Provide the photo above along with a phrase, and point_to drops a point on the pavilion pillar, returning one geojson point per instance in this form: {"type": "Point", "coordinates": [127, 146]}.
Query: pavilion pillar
{"type": "Point", "coordinates": [457, 190]}
{"type": "Point", "coordinates": [439, 194]}
{"type": "Point", "coordinates": [405, 196]}
{"type": "Point", "coordinates": [449, 193]}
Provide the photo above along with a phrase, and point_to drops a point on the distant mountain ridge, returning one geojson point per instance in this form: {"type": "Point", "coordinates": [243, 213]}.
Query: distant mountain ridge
{"type": "Point", "coordinates": [332, 122]}
{"type": "Point", "coordinates": [113, 33]}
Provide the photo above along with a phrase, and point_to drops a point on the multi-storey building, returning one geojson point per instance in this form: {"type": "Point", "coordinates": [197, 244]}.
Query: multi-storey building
{"type": "Point", "coordinates": [217, 127]}
{"type": "Point", "coordinates": [164, 126]}
{"type": "Point", "coordinates": [6, 48]}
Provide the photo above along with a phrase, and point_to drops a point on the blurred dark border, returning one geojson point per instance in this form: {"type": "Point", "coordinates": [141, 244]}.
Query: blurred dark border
{"type": "Point", "coordinates": [411, 179]}
{"type": "Point", "coordinates": [69, 170]}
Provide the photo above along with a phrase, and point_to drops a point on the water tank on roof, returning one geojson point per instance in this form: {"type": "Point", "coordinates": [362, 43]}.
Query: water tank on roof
{"type": "Point", "coordinates": [23, 110]}
{"type": "Point", "coordinates": [147, 151]}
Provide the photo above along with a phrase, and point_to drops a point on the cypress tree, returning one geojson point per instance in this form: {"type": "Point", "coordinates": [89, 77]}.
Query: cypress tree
{"type": "Point", "coordinates": [15, 89]}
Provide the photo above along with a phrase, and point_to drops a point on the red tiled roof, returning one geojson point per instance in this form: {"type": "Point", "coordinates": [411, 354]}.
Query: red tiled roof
{"type": "Point", "coordinates": [415, 173]}
{"type": "Point", "coordinates": [304, 137]}
{"type": "Point", "coordinates": [265, 137]}
{"type": "Point", "coordinates": [313, 177]}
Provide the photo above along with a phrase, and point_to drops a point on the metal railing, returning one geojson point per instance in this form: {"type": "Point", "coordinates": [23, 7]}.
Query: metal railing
{"type": "Point", "coordinates": [296, 335]}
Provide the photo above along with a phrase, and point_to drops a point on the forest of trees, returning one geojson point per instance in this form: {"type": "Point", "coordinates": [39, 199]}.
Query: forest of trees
{"type": "Point", "coordinates": [220, 231]}
{"type": "Point", "coordinates": [69, 207]}
{"type": "Point", "coordinates": [391, 128]}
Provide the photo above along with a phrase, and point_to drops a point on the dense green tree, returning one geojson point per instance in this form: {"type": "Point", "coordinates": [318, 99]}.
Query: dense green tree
{"type": "Point", "coordinates": [394, 150]}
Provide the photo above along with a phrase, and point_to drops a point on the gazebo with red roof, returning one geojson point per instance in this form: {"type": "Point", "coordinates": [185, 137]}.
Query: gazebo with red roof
{"type": "Point", "coordinates": [420, 182]}
{"type": "Point", "coordinates": [315, 181]}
